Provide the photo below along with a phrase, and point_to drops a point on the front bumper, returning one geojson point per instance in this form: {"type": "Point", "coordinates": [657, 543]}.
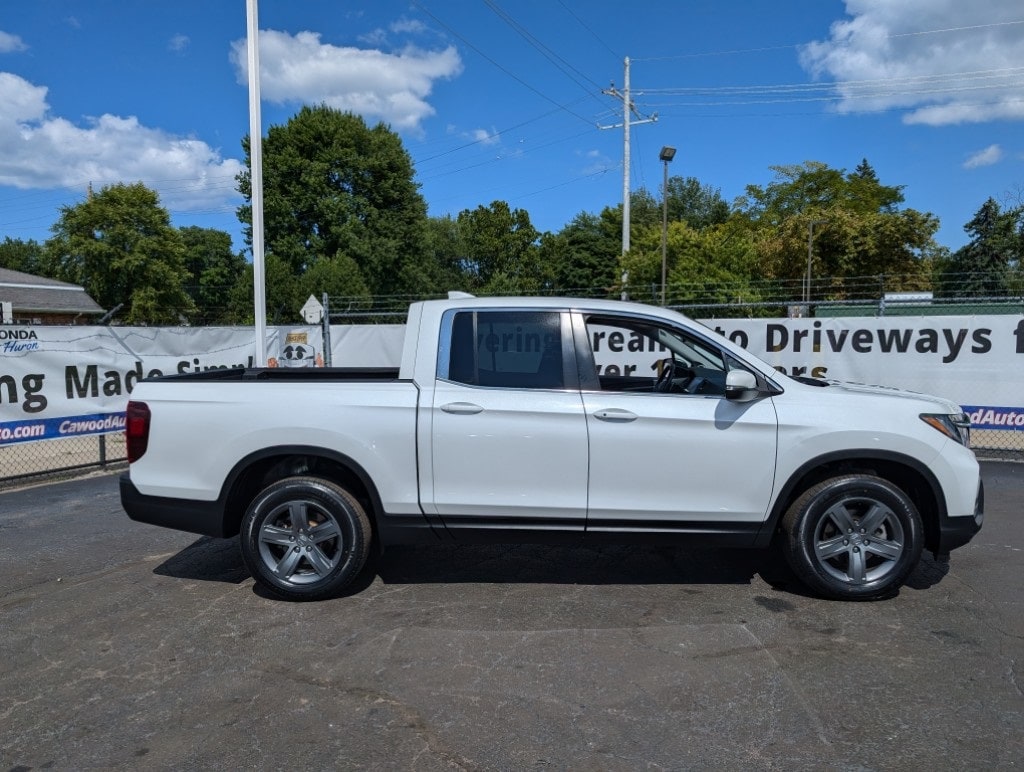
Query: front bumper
{"type": "Point", "coordinates": [957, 531]}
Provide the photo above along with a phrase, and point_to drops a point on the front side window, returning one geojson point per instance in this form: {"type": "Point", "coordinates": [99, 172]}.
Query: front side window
{"type": "Point", "coordinates": [638, 355]}
{"type": "Point", "coordinates": [507, 349]}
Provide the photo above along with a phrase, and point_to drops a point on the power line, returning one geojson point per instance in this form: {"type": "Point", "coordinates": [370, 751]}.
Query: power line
{"type": "Point", "coordinates": [496, 134]}
{"type": "Point", "coordinates": [1012, 73]}
{"type": "Point", "coordinates": [790, 46]}
{"type": "Point", "coordinates": [583, 24]}
{"type": "Point", "coordinates": [508, 72]}
{"type": "Point", "coordinates": [561, 64]}
{"type": "Point", "coordinates": [534, 148]}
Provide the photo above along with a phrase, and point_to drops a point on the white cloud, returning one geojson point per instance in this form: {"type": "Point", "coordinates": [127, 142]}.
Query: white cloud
{"type": "Point", "coordinates": [178, 43]}
{"type": "Point", "coordinates": [20, 100]}
{"type": "Point", "coordinates": [596, 161]}
{"type": "Point", "coordinates": [992, 154]}
{"type": "Point", "coordinates": [10, 43]}
{"type": "Point", "coordinates": [392, 87]}
{"type": "Point", "coordinates": [408, 26]}
{"type": "Point", "coordinates": [42, 151]}
{"type": "Point", "coordinates": [377, 38]}
{"type": "Point", "coordinates": [944, 61]}
{"type": "Point", "coordinates": [485, 137]}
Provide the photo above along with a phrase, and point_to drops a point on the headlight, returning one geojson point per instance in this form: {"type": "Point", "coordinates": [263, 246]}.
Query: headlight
{"type": "Point", "coordinates": [957, 427]}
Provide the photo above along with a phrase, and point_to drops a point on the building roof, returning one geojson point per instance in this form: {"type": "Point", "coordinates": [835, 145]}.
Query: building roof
{"type": "Point", "coordinates": [37, 294]}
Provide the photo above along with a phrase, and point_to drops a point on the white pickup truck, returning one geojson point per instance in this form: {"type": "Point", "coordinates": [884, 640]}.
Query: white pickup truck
{"type": "Point", "coordinates": [543, 419]}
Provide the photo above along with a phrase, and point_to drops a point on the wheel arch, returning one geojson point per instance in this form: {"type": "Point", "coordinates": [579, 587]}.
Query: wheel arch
{"type": "Point", "coordinates": [907, 473]}
{"type": "Point", "coordinates": [256, 471]}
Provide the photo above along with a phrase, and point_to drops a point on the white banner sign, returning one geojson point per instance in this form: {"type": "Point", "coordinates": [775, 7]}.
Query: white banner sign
{"type": "Point", "coordinates": [67, 381]}
{"type": "Point", "coordinates": [975, 361]}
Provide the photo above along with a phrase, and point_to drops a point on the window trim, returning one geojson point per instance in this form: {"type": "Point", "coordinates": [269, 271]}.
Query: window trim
{"type": "Point", "coordinates": [570, 375]}
{"type": "Point", "coordinates": [589, 379]}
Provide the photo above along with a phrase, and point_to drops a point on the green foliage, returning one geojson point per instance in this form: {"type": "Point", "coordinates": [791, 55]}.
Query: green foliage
{"type": "Point", "coordinates": [443, 258]}
{"type": "Point", "coordinates": [341, 279]}
{"type": "Point", "coordinates": [24, 256]}
{"type": "Point", "coordinates": [697, 205]}
{"type": "Point", "coordinates": [284, 297]}
{"type": "Point", "coordinates": [333, 186]}
{"type": "Point", "coordinates": [849, 244]}
{"type": "Point", "coordinates": [499, 251]}
{"type": "Point", "coordinates": [800, 188]}
{"type": "Point", "coordinates": [583, 258]}
{"type": "Point", "coordinates": [214, 271]}
{"type": "Point", "coordinates": [119, 245]}
{"type": "Point", "coordinates": [709, 266]}
{"type": "Point", "coordinates": [990, 264]}
{"type": "Point", "coordinates": [858, 228]}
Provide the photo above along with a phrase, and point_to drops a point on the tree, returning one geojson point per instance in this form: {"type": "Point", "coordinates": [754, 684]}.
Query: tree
{"type": "Point", "coordinates": [713, 265]}
{"type": "Point", "coordinates": [695, 204]}
{"type": "Point", "coordinates": [859, 229]}
{"type": "Point", "coordinates": [986, 265]}
{"type": "Point", "coordinates": [799, 188]}
{"type": "Point", "coordinates": [24, 256]}
{"type": "Point", "coordinates": [341, 279]}
{"type": "Point", "coordinates": [120, 246]}
{"type": "Point", "coordinates": [644, 212]}
{"type": "Point", "coordinates": [499, 250]}
{"type": "Point", "coordinates": [583, 257]}
{"type": "Point", "coordinates": [214, 270]}
{"type": "Point", "coordinates": [284, 297]}
{"type": "Point", "coordinates": [870, 195]}
{"type": "Point", "coordinates": [334, 187]}
{"type": "Point", "coordinates": [443, 257]}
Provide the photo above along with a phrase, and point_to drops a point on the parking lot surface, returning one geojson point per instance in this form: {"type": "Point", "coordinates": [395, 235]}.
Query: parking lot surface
{"type": "Point", "coordinates": [127, 646]}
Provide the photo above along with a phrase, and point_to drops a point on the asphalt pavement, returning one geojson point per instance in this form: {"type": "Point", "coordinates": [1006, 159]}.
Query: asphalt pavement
{"type": "Point", "coordinates": [126, 646]}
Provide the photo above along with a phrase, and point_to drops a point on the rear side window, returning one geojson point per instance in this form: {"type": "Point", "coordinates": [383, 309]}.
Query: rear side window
{"type": "Point", "coordinates": [507, 349]}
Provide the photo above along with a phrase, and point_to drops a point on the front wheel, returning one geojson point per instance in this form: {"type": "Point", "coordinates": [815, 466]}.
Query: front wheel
{"type": "Point", "coordinates": [855, 537]}
{"type": "Point", "coordinates": [305, 538]}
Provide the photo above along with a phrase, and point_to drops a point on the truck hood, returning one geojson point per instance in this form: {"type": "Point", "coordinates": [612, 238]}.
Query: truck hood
{"type": "Point", "coordinates": [942, 405]}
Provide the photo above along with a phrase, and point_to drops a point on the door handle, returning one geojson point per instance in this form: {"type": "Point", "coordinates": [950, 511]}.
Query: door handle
{"type": "Point", "coordinates": [615, 415]}
{"type": "Point", "coordinates": [462, 408]}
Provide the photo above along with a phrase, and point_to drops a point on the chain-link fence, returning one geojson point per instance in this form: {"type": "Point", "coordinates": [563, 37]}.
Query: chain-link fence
{"type": "Point", "coordinates": [27, 462]}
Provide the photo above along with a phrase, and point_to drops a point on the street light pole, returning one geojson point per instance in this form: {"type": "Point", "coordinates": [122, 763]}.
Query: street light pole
{"type": "Point", "coordinates": [666, 155]}
{"type": "Point", "coordinates": [810, 252]}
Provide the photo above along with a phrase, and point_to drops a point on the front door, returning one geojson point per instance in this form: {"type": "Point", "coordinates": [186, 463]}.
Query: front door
{"type": "Point", "coordinates": [668, 451]}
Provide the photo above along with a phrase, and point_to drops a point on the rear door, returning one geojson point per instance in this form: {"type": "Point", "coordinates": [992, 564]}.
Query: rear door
{"type": "Point", "coordinates": [508, 432]}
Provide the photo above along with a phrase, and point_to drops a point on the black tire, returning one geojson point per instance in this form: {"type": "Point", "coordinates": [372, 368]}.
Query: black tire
{"type": "Point", "coordinates": [855, 537]}
{"type": "Point", "coordinates": [305, 538]}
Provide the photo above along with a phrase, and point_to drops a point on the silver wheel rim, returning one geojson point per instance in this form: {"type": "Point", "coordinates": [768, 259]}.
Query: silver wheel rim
{"type": "Point", "coordinates": [300, 542]}
{"type": "Point", "coordinates": [859, 540]}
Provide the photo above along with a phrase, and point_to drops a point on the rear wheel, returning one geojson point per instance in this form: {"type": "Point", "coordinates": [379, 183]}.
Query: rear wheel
{"type": "Point", "coordinates": [305, 538]}
{"type": "Point", "coordinates": [855, 537]}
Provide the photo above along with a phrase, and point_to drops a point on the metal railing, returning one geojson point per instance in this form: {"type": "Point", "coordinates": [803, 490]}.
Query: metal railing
{"type": "Point", "coordinates": [48, 460]}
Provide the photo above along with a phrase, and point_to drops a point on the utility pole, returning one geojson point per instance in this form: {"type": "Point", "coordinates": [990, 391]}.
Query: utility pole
{"type": "Point", "coordinates": [810, 254]}
{"type": "Point", "coordinates": [629, 110]}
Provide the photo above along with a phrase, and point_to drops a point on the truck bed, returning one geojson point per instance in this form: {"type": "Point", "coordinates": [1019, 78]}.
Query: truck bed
{"type": "Point", "coordinates": [288, 374]}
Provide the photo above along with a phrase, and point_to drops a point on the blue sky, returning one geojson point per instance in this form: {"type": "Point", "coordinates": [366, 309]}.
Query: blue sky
{"type": "Point", "coordinates": [502, 101]}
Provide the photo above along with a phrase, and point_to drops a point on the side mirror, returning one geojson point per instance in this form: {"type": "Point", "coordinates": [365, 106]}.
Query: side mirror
{"type": "Point", "coordinates": [741, 386]}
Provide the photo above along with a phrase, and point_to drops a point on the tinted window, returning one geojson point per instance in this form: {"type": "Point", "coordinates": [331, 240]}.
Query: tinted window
{"type": "Point", "coordinates": [518, 349]}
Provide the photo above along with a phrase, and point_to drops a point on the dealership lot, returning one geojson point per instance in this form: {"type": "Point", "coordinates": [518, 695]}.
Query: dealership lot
{"type": "Point", "coordinates": [128, 646]}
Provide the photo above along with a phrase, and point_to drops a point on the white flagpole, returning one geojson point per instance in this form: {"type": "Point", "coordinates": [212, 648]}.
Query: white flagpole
{"type": "Point", "coordinates": [256, 184]}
